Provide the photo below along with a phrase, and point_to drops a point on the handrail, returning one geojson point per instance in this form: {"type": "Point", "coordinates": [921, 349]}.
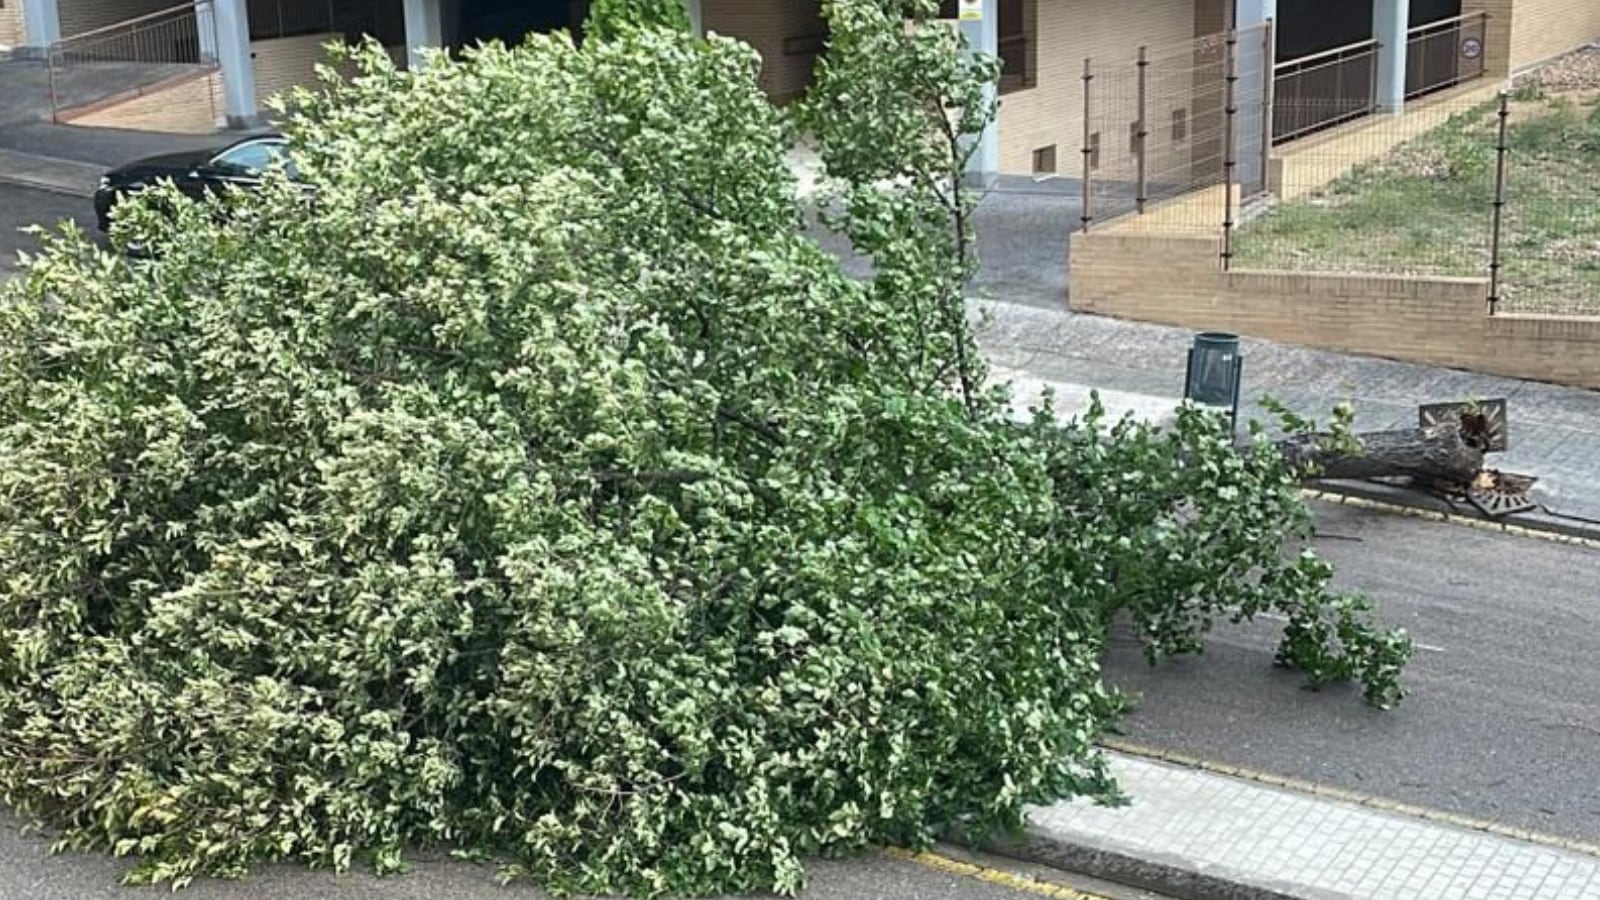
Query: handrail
{"type": "Point", "coordinates": [119, 26]}
{"type": "Point", "coordinates": [179, 40]}
{"type": "Point", "coordinates": [1369, 43]}
{"type": "Point", "coordinates": [1453, 20]}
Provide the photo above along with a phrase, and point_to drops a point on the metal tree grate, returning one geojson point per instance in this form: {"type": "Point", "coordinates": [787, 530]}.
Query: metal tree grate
{"type": "Point", "coordinates": [1497, 493]}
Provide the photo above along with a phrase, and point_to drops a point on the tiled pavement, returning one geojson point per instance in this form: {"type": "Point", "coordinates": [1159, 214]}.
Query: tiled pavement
{"type": "Point", "coordinates": [1304, 846]}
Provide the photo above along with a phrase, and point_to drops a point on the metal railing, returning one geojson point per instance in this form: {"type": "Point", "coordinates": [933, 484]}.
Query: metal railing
{"type": "Point", "coordinates": [133, 56]}
{"type": "Point", "coordinates": [1324, 89]}
{"type": "Point", "coordinates": [1445, 53]}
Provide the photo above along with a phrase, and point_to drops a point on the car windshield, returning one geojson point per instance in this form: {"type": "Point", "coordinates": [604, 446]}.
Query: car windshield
{"type": "Point", "coordinates": [254, 158]}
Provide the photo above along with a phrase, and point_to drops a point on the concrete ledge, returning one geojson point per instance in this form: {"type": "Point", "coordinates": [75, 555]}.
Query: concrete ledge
{"type": "Point", "coordinates": [45, 173]}
{"type": "Point", "coordinates": [1425, 505]}
{"type": "Point", "coordinates": [1162, 873]}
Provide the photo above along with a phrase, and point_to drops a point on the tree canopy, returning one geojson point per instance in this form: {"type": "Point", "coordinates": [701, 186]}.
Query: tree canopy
{"type": "Point", "coordinates": [538, 486]}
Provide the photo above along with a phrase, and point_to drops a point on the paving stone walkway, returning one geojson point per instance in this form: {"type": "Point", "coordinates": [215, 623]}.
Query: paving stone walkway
{"type": "Point", "coordinates": [1299, 845]}
{"type": "Point", "coordinates": [1554, 430]}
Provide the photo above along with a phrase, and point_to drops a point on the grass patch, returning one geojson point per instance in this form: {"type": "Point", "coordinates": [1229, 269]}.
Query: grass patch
{"type": "Point", "coordinates": [1426, 208]}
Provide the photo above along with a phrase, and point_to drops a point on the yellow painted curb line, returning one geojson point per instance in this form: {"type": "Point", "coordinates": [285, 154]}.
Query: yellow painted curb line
{"type": "Point", "coordinates": [1370, 801]}
{"type": "Point", "coordinates": [993, 876]}
{"type": "Point", "coordinates": [1450, 518]}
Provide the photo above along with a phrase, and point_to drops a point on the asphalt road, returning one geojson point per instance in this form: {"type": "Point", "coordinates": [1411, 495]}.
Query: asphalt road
{"type": "Point", "coordinates": [1503, 718]}
{"type": "Point", "coordinates": [21, 207]}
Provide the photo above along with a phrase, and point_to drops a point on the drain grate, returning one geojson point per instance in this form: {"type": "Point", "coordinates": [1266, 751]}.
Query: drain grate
{"type": "Point", "coordinates": [1497, 493]}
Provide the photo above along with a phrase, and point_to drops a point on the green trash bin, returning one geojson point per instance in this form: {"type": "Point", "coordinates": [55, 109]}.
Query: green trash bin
{"type": "Point", "coordinates": [1216, 369]}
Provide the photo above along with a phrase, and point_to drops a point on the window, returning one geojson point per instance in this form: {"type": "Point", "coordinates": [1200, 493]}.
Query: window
{"type": "Point", "coordinates": [252, 159]}
{"type": "Point", "coordinates": [1044, 160]}
{"type": "Point", "coordinates": [1180, 124]}
{"type": "Point", "coordinates": [1016, 40]}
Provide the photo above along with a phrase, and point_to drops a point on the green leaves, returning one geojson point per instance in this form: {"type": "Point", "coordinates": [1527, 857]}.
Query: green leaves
{"type": "Point", "coordinates": [1178, 531]}
{"type": "Point", "coordinates": [544, 491]}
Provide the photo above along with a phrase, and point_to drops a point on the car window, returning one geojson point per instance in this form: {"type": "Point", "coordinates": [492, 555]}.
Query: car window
{"type": "Point", "coordinates": [253, 158]}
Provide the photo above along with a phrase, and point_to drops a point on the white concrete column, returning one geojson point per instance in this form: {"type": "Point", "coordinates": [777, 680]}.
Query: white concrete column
{"type": "Point", "coordinates": [424, 28]}
{"type": "Point", "coordinates": [41, 24]}
{"type": "Point", "coordinates": [205, 26]}
{"type": "Point", "coordinates": [238, 64]}
{"type": "Point", "coordinates": [1253, 12]}
{"type": "Point", "coordinates": [697, 17]}
{"type": "Point", "coordinates": [983, 36]}
{"type": "Point", "coordinates": [1390, 19]}
{"type": "Point", "coordinates": [1255, 21]}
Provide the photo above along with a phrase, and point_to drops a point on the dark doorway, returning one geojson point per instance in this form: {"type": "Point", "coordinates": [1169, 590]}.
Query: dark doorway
{"type": "Point", "coordinates": [509, 21]}
{"type": "Point", "coordinates": [1312, 26]}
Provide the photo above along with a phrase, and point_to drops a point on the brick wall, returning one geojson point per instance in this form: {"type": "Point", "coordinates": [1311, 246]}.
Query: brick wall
{"type": "Point", "coordinates": [78, 16]}
{"type": "Point", "coordinates": [787, 33]}
{"type": "Point", "coordinates": [189, 104]}
{"type": "Point", "coordinates": [10, 23]}
{"type": "Point", "coordinates": [1051, 112]}
{"type": "Point", "coordinates": [1436, 321]}
{"type": "Point", "coordinates": [1541, 29]}
{"type": "Point", "coordinates": [284, 63]}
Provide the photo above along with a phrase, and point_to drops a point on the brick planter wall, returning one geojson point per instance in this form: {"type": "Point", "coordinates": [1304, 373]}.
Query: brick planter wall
{"type": "Point", "coordinates": [1176, 280]}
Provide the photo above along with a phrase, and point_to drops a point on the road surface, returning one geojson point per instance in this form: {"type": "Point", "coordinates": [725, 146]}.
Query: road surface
{"type": "Point", "coordinates": [1503, 719]}
{"type": "Point", "coordinates": [21, 207]}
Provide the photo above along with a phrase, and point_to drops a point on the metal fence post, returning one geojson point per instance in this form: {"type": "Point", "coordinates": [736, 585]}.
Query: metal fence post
{"type": "Point", "coordinates": [1499, 203]}
{"type": "Point", "coordinates": [51, 52]}
{"type": "Point", "coordinates": [1230, 110]}
{"type": "Point", "coordinates": [1269, 62]}
{"type": "Point", "coordinates": [1142, 131]}
{"type": "Point", "coordinates": [1087, 215]}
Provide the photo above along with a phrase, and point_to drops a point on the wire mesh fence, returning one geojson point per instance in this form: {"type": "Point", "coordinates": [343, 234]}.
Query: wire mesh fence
{"type": "Point", "coordinates": [1164, 132]}
{"type": "Point", "coordinates": [1397, 195]}
{"type": "Point", "coordinates": [1504, 189]}
{"type": "Point", "coordinates": [1549, 223]}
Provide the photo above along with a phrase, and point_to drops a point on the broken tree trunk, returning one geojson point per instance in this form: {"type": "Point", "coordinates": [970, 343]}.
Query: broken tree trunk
{"type": "Point", "coordinates": [1440, 452]}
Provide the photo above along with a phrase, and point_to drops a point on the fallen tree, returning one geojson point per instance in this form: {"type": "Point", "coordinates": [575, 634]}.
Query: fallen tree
{"type": "Point", "coordinates": [583, 514]}
{"type": "Point", "coordinates": [1447, 452]}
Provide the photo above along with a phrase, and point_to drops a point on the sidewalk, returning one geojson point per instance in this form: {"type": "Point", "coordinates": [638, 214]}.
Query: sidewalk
{"type": "Point", "coordinates": [47, 173]}
{"type": "Point", "coordinates": [1198, 834]}
{"type": "Point", "coordinates": [1554, 431]}
{"type": "Point", "coordinates": [70, 159]}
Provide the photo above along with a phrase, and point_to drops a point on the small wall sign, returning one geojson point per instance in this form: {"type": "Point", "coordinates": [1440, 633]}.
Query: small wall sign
{"type": "Point", "coordinates": [1472, 48]}
{"type": "Point", "coordinates": [971, 10]}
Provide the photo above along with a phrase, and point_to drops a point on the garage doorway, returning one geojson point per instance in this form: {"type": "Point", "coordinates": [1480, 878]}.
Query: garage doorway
{"type": "Point", "coordinates": [510, 21]}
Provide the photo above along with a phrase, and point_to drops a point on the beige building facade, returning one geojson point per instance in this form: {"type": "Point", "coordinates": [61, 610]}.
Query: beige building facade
{"type": "Point", "coordinates": [10, 23]}
{"type": "Point", "coordinates": [263, 47]}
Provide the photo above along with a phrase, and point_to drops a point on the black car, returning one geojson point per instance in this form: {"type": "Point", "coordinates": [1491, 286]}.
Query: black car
{"type": "Point", "coordinates": [196, 172]}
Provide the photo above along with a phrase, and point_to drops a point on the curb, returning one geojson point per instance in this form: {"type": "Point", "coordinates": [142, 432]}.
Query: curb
{"type": "Point", "coordinates": [1161, 873]}
{"type": "Point", "coordinates": [1356, 798]}
{"type": "Point", "coordinates": [1411, 503]}
{"type": "Point", "coordinates": [957, 861]}
{"type": "Point", "coordinates": [50, 187]}
{"type": "Point", "coordinates": [60, 176]}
